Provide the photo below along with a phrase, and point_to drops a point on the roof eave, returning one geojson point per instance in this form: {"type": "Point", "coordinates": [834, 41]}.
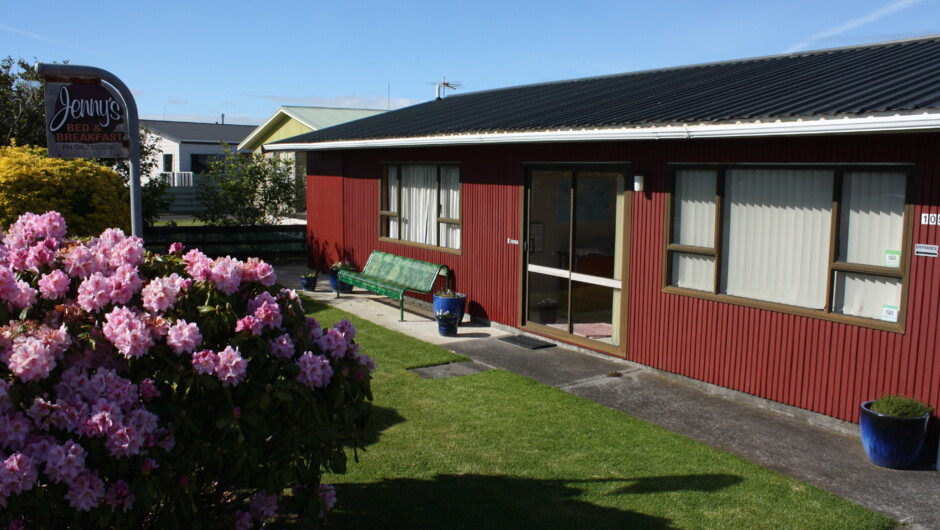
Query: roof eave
{"type": "Point", "coordinates": [759, 128]}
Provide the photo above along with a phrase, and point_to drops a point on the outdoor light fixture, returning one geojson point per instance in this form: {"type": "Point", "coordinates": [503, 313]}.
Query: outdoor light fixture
{"type": "Point", "coordinates": [638, 181]}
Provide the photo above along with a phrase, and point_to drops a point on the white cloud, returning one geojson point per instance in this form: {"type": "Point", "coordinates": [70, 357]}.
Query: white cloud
{"type": "Point", "coordinates": [54, 41]}
{"type": "Point", "coordinates": [892, 8]}
{"type": "Point", "coordinates": [347, 102]}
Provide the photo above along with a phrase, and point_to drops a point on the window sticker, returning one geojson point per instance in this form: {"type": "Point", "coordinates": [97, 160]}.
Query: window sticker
{"type": "Point", "coordinates": [892, 258]}
{"type": "Point", "coordinates": [889, 313]}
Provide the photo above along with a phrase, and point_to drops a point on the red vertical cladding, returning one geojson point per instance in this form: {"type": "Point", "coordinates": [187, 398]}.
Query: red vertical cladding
{"type": "Point", "coordinates": [325, 197]}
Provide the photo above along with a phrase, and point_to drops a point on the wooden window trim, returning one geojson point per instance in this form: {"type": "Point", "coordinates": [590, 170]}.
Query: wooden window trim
{"type": "Point", "coordinates": [440, 221]}
{"type": "Point", "coordinates": [902, 272]}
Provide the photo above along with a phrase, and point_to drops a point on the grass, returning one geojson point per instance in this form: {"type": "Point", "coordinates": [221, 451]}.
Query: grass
{"type": "Point", "coordinates": [497, 450]}
{"type": "Point", "coordinates": [179, 222]}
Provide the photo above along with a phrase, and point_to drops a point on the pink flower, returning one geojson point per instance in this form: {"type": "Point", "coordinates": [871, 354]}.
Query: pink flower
{"type": "Point", "coordinates": [94, 292]}
{"type": "Point", "coordinates": [85, 491]}
{"type": "Point", "coordinates": [148, 389]}
{"type": "Point", "coordinates": [124, 441]}
{"type": "Point", "coordinates": [25, 295]}
{"type": "Point", "coordinates": [54, 285]}
{"type": "Point", "coordinates": [263, 505]}
{"type": "Point", "coordinates": [327, 494]}
{"type": "Point", "coordinates": [198, 265]}
{"type": "Point", "coordinates": [124, 284]}
{"type": "Point", "coordinates": [119, 495]}
{"type": "Point", "coordinates": [226, 274]}
{"type": "Point", "coordinates": [269, 315]}
{"type": "Point", "coordinates": [176, 248]}
{"type": "Point", "coordinates": [347, 329]}
{"type": "Point", "coordinates": [31, 359]}
{"type": "Point", "coordinates": [334, 343]}
{"type": "Point", "coordinates": [205, 362]}
{"type": "Point", "coordinates": [161, 293]}
{"type": "Point", "coordinates": [17, 474]}
{"type": "Point", "coordinates": [148, 465]}
{"type": "Point", "coordinates": [250, 324]}
{"type": "Point", "coordinates": [242, 520]}
{"type": "Point", "coordinates": [127, 332]}
{"type": "Point", "coordinates": [64, 462]}
{"type": "Point", "coordinates": [315, 370]}
{"type": "Point", "coordinates": [255, 270]}
{"type": "Point", "coordinates": [232, 367]}
{"type": "Point", "coordinates": [183, 337]}
{"type": "Point", "coordinates": [282, 347]}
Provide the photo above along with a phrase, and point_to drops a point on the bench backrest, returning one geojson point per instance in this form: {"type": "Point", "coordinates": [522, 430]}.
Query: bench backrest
{"type": "Point", "coordinates": [416, 274]}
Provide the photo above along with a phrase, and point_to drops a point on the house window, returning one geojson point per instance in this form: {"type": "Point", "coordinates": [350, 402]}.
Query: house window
{"type": "Point", "coordinates": [818, 240]}
{"type": "Point", "coordinates": [420, 203]}
{"type": "Point", "coordinates": [168, 163]}
{"type": "Point", "coordinates": [200, 164]}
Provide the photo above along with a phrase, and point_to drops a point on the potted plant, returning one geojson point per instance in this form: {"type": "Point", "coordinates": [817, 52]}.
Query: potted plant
{"type": "Point", "coordinates": [548, 310]}
{"type": "Point", "coordinates": [449, 308]}
{"type": "Point", "coordinates": [308, 282]}
{"type": "Point", "coordinates": [893, 430]}
{"type": "Point", "coordinates": [335, 284]}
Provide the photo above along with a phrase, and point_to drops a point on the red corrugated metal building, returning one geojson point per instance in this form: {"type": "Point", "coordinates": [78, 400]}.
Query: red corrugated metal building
{"type": "Point", "coordinates": [792, 258]}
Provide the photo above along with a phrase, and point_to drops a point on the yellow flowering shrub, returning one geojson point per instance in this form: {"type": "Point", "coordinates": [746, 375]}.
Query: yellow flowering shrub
{"type": "Point", "coordinates": [91, 197]}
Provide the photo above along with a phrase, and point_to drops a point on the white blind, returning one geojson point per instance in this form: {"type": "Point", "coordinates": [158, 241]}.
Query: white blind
{"type": "Point", "coordinates": [393, 201]}
{"type": "Point", "coordinates": [776, 235]}
{"type": "Point", "coordinates": [694, 208]}
{"type": "Point", "coordinates": [693, 271]}
{"type": "Point", "coordinates": [872, 218]}
{"type": "Point", "coordinates": [865, 295]}
{"type": "Point", "coordinates": [450, 206]}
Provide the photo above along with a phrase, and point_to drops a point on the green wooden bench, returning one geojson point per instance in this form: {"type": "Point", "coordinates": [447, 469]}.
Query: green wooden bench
{"type": "Point", "coordinates": [390, 275]}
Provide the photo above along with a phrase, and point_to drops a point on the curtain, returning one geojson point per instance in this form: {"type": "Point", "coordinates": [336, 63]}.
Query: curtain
{"type": "Point", "coordinates": [694, 208]}
{"type": "Point", "coordinates": [776, 235]}
{"type": "Point", "coordinates": [872, 218]}
{"type": "Point", "coordinates": [419, 204]}
{"type": "Point", "coordinates": [393, 222]}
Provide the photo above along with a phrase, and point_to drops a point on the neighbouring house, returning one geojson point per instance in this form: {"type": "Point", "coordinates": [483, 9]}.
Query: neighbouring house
{"type": "Point", "coordinates": [186, 148]}
{"type": "Point", "coordinates": [289, 121]}
{"type": "Point", "coordinates": [768, 225]}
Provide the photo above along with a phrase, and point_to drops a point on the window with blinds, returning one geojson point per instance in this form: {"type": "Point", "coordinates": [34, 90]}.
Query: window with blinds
{"type": "Point", "coordinates": [825, 240]}
{"type": "Point", "coordinates": [420, 203]}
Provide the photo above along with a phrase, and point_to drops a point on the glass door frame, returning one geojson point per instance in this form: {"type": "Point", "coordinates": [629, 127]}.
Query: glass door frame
{"type": "Point", "coordinates": [624, 168]}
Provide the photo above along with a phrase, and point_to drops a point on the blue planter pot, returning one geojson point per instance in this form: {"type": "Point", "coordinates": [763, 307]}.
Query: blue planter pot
{"type": "Point", "coordinates": [447, 325]}
{"type": "Point", "coordinates": [892, 441]}
{"type": "Point", "coordinates": [308, 283]}
{"type": "Point", "coordinates": [456, 305]}
{"type": "Point", "coordinates": [334, 283]}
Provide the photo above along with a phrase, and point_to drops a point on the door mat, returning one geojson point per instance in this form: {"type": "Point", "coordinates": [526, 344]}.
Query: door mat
{"type": "Point", "coordinates": [526, 342]}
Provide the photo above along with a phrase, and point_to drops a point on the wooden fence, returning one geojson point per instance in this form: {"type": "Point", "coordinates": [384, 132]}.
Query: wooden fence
{"type": "Point", "coordinates": [236, 241]}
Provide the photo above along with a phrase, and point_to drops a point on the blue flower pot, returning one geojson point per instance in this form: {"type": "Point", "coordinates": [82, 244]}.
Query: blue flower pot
{"type": "Point", "coordinates": [308, 283]}
{"type": "Point", "coordinates": [335, 283]}
{"type": "Point", "coordinates": [892, 441]}
{"type": "Point", "coordinates": [456, 305]}
{"type": "Point", "coordinates": [447, 325]}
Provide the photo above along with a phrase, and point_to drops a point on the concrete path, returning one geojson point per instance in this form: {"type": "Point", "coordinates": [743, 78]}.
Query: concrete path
{"type": "Point", "coordinates": [792, 442]}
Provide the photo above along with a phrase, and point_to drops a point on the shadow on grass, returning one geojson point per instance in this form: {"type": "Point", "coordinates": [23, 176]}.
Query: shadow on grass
{"type": "Point", "coordinates": [478, 501]}
{"type": "Point", "coordinates": [382, 418]}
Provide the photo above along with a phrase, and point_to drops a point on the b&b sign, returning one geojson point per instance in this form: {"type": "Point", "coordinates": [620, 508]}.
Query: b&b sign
{"type": "Point", "coordinates": [85, 120]}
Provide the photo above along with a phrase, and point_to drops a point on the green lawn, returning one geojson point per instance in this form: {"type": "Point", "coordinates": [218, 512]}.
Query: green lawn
{"type": "Point", "coordinates": [497, 450]}
{"type": "Point", "coordinates": [179, 222]}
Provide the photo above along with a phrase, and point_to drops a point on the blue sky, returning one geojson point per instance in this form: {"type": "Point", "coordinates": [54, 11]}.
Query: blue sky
{"type": "Point", "coordinates": [196, 60]}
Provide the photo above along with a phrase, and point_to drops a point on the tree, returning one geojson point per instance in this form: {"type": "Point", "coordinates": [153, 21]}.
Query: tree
{"type": "Point", "coordinates": [155, 195]}
{"type": "Point", "coordinates": [22, 112]}
{"type": "Point", "coordinates": [245, 189]}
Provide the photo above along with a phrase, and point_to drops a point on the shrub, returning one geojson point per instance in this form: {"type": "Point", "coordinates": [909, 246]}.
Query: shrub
{"type": "Point", "coordinates": [898, 405]}
{"type": "Point", "coordinates": [161, 391]}
{"type": "Point", "coordinates": [245, 189]}
{"type": "Point", "coordinates": [92, 197]}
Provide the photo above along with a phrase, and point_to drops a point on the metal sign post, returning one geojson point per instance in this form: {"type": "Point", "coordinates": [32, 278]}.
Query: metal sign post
{"type": "Point", "coordinates": [83, 120]}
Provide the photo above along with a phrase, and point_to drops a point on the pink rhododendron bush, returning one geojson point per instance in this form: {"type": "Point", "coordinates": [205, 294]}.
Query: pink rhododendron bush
{"type": "Point", "coordinates": [143, 390]}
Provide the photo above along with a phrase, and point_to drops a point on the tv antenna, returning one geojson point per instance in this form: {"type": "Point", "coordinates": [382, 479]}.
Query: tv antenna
{"type": "Point", "coordinates": [440, 87]}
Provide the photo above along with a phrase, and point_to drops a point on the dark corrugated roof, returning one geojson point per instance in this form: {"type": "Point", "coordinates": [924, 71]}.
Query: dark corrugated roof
{"type": "Point", "coordinates": [893, 76]}
{"type": "Point", "coordinates": [199, 132]}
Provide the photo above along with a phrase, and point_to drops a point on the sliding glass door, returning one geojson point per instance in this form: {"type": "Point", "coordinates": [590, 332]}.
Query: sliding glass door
{"type": "Point", "coordinates": [575, 250]}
